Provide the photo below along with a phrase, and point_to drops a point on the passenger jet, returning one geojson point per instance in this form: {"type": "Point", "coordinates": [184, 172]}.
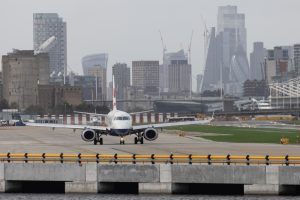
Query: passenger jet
{"type": "Point", "coordinates": [119, 123]}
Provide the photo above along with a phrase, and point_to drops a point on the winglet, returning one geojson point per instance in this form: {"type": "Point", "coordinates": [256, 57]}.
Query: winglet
{"type": "Point", "coordinates": [114, 94]}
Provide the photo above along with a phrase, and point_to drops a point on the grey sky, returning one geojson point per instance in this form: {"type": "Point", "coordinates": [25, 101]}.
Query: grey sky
{"type": "Point", "coordinates": [129, 29]}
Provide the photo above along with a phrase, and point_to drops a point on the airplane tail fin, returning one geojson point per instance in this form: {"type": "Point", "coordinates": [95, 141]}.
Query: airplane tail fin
{"type": "Point", "coordinates": [114, 94]}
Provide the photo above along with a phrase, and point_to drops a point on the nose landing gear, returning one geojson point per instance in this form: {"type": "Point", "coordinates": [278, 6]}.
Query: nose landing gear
{"type": "Point", "coordinates": [122, 141]}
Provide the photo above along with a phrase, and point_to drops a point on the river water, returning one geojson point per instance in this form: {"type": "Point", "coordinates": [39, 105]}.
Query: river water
{"type": "Point", "coordinates": [133, 197]}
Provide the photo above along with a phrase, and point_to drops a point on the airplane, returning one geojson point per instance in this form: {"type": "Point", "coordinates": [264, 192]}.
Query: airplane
{"type": "Point", "coordinates": [119, 123]}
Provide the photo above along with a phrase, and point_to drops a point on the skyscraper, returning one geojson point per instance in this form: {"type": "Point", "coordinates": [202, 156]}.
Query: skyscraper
{"type": "Point", "coordinates": [180, 77]}
{"type": "Point", "coordinates": [46, 25]}
{"type": "Point", "coordinates": [121, 75]}
{"type": "Point", "coordinates": [199, 82]}
{"type": "Point", "coordinates": [257, 61]}
{"type": "Point", "coordinates": [235, 68]}
{"type": "Point", "coordinates": [22, 73]}
{"type": "Point", "coordinates": [212, 76]}
{"type": "Point", "coordinates": [89, 61]}
{"type": "Point", "coordinates": [232, 23]}
{"type": "Point", "coordinates": [227, 65]}
{"type": "Point", "coordinates": [297, 58]}
{"type": "Point", "coordinates": [164, 68]}
{"type": "Point", "coordinates": [145, 75]}
{"type": "Point", "coordinates": [96, 65]}
{"type": "Point", "coordinates": [1, 86]}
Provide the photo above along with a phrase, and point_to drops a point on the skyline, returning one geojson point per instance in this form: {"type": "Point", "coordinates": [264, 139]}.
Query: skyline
{"type": "Point", "coordinates": [129, 29]}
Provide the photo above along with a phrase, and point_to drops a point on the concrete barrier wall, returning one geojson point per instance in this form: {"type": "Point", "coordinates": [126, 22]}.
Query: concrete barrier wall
{"type": "Point", "coordinates": [219, 174]}
{"type": "Point", "coordinates": [163, 178]}
{"type": "Point", "coordinates": [128, 173]}
{"type": "Point", "coordinates": [289, 175]}
{"type": "Point", "coordinates": [44, 172]}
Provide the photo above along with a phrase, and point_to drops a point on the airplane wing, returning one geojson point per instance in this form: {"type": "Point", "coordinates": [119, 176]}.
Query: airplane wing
{"type": "Point", "coordinates": [140, 112]}
{"type": "Point", "coordinates": [87, 113]}
{"type": "Point", "coordinates": [162, 125]}
{"type": "Point", "coordinates": [102, 128]}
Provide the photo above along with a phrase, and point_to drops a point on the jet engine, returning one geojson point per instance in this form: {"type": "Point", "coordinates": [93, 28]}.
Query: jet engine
{"type": "Point", "coordinates": [88, 135]}
{"type": "Point", "coordinates": [150, 134]}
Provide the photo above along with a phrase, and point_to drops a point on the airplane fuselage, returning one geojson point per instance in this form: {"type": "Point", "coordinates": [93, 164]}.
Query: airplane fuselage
{"type": "Point", "coordinates": [119, 122]}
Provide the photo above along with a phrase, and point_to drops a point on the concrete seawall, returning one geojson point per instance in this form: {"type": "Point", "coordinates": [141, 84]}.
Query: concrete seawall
{"type": "Point", "coordinates": [156, 178]}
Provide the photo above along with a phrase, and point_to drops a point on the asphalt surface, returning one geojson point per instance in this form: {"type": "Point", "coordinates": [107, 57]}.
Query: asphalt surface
{"type": "Point", "coordinates": [45, 140]}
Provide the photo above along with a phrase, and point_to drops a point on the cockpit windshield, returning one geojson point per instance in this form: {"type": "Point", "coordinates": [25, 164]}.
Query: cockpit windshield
{"type": "Point", "coordinates": [122, 118]}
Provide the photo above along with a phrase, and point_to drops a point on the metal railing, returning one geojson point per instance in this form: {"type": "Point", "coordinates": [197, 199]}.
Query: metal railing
{"type": "Point", "coordinates": [150, 158]}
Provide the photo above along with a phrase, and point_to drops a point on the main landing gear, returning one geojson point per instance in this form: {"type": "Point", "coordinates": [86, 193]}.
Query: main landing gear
{"type": "Point", "coordinates": [139, 139]}
{"type": "Point", "coordinates": [98, 138]}
{"type": "Point", "coordinates": [122, 141]}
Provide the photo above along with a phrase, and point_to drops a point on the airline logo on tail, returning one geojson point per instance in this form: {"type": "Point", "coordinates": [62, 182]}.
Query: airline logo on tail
{"type": "Point", "coordinates": [114, 103]}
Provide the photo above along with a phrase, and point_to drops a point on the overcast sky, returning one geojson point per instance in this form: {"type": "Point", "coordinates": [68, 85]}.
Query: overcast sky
{"type": "Point", "coordinates": [129, 29]}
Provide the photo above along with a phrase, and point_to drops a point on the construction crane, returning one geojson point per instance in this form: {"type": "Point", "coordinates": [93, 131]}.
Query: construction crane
{"type": "Point", "coordinates": [45, 46]}
{"type": "Point", "coordinates": [189, 47]}
{"type": "Point", "coordinates": [163, 45]}
{"type": "Point", "coordinates": [206, 37]}
{"type": "Point", "coordinates": [190, 59]}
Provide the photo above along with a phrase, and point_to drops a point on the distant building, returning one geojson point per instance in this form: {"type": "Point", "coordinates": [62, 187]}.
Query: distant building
{"type": "Point", "coordinates": [88, 85]}
{"type": "Point", "coordinates": [46, 25]}
{"type": "Point", "coordinates": [180, 77]}
{"type": "Point", "coordinates": [1, 86]}
{"type": "Point", "coordinates": [297, 58]}
{"type": "Point", "coordinates": [227, 66]}
{"type": "Point", "coordinates": [145, 75]}
{"type": "Point", "coordinates": [257, 61]}
{"type": "Point", "coordinates": [164, 68]}
{"type": "Point", "coordinates": [199, 82]}
{"type": "Point", "coordinates": [93, 60]}
{"type": "Point", "coordinates": [279, 63]}
{"type": "Point", "coordinates": [51, 96]}
{"type": "Point", "coordinates": [22, 73]}
{"type": "Point", "coordinates": [100, 74]}
{"type": "Point", "coordinates": [255, 88]}
{"type": "Point", "coordinates": [109, 91]}
{"type": "Point", "coordinates": [232, 25]}
{"type": "Point", "coordinates": [212, 76]}
{"type": "Point", "coordinates": [96, 65]}
{"type": "Point", "coordinates": [121, 75]}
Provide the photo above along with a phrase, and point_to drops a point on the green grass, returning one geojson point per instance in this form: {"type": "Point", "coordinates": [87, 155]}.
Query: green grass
{"type": "Point", "coordinates": [243, 135]}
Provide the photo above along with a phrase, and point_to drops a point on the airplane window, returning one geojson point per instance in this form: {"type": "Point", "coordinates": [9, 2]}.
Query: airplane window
{"type": "Point", "coordinates": [125, 118]}
{"type": "Point", "coordinates": [119, 118]}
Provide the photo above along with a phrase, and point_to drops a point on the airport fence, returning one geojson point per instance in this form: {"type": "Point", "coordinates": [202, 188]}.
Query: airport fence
{"type": "Point", "coordinates": [150, 159]}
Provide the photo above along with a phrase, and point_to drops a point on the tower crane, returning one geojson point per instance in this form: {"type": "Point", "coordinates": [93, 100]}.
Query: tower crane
{"type": "Point", "coordinates": [45, 46]}
{"type": "Point", "coordinates": [189, 47]}
{"type": "Point", "coordinates": [206, 36]}
{"type": "Point", "coordinates": [190, 56]}
{"type": "Point", "coordinates": [163, 45]}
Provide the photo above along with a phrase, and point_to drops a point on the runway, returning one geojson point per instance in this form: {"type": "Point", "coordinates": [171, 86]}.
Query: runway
{"type": "Point", "coordinates": [45, 140]}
